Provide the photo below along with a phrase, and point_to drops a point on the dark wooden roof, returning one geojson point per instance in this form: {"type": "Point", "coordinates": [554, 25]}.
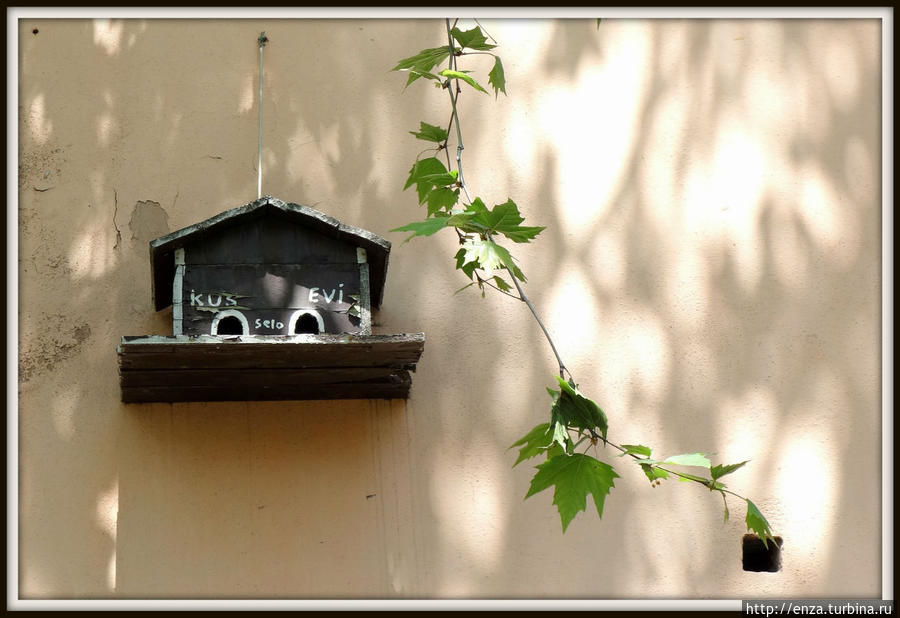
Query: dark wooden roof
{"type": "Point", "coordinates": [162, 250]}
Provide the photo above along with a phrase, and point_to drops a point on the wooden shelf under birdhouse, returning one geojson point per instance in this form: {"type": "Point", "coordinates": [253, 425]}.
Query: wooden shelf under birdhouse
{"type": "Point", "coordinates": [261, 367]}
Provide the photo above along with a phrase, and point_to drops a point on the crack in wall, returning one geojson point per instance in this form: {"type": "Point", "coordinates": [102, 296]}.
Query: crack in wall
{"type": "Point", "coordinates": [115, 214]}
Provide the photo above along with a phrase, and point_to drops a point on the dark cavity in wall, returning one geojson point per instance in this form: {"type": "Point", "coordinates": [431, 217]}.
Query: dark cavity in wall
{"type": "Point", "coordinates": [759, 557]}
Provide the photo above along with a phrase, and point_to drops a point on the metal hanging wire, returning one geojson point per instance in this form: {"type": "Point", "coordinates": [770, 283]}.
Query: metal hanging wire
{"type": "Point", "coordinates": [262, 40]}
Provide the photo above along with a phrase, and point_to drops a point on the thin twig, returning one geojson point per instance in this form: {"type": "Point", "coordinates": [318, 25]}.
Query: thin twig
{"type": "Point", "coordinates": [478, 53]}
{"type": "Point", "coordinates": [462, 183]}
{"type": "Point", "coordinates": [489, 284]}
{"type": "Point", "coordinates": [486, 32]}
{"type": "Point", "coordinates": [446, 144]}
{"type": "Point", "coordinates": [686, 477]}
{"type": "Point", "coordinates": [562, 367]}
{"type": "Point", "coordinates": [455, 117]}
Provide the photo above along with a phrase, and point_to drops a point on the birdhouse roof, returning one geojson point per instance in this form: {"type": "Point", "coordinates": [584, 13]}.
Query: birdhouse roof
{"type": "Point", "coordinates": [162, 249]}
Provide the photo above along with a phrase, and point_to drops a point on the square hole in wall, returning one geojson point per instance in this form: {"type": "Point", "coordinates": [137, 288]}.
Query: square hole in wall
{"type": "Point", "coordinates": [760, 557]}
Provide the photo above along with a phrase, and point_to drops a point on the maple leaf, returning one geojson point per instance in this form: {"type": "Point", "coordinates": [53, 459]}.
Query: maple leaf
{"type": "Point", "coordinates": [719, 471]}
{"type": "Point", "coordinates": [535, 441]}
{"type": "Point", "coordinates": [574, 477]}
{"type": "Point", "coordinates": [758, 524]}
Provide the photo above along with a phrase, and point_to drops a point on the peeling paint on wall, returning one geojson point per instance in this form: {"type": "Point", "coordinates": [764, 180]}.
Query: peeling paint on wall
{"type": "Point", "coordinates": [40, 169]}
{"type": "Point", "coordinates": [50, 348]}
{"type": "Point", "coordinates": [149, 220]}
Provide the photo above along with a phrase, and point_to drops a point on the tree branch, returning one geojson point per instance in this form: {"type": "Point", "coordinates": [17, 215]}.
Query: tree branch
{"type": "Point", "coordinates": [455, 118]}
{"type": "Point", "coordinates": [562, 367]}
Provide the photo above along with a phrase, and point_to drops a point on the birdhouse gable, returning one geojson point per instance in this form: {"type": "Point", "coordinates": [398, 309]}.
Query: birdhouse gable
{"type": "Point", "coordinates": [269, 268]}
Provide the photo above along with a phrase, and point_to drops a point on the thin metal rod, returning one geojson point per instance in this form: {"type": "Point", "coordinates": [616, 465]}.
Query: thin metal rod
{"type": "Point", "coordinates": [262, 42]}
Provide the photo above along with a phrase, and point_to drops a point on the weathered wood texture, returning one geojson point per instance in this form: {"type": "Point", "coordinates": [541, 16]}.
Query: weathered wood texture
{"type": "Point", "coordinates": [270, 293]}
{"type": "Point", "coordinates": [269, 239]}
{"type": "Point", "coordinates": [257, 368]}
{"type": "Point", "coordinates": [274, 232]}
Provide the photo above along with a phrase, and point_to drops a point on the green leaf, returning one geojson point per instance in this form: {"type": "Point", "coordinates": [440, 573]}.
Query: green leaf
{"type": "Point", "coordinates": [638, 449]}
{"type": "Point", "coordinates": [441, 199]}
{"type": "Point", "coordinates": [523, 233]}
{"type": "Point", "coordinates": [421, 64]}
{"type": "Point", "coordinates": [725, 503]}
{"type": "Point", "coordinates": [490, 256]}
{"type": "Point", "coordinates": [508, 262]}
{"type": "Point", "coordinates": [502, 284]}
{"type": "Point", "coordinates": [503, 218]}
{"type": "Point", "coordinates": [463, 76]}
{"type": "Point", "coordinates": [420, 169]}
{"type": "Point", "coordinates": [654, 473]}
{"type": "Point", "coordinates": [496, 77]}
{"type": "Point", "coordinates": [441, 179]}
{"type": "Point", "coordinates": [688, 459]}
{"type": "Point", "coordinates": [574, 477]}
{"type": "Point", "coordinates": [555, 450]}
{"type": "Point", "coordinates": [473, 39]}
{"type": "Point", "coordinates": [719, 471]}
{"type": "Point", "coordinates": [461, 220]}
{"type": "Point", "coordinates": [468, 285]}
{"type": "Point", "coordinates": [423, 228]}
{"type": "Point", "coordinates": [758, 524]}
{"type": "Point", "coordinates": [557, 421]}
{"type": "Point", "coordinates": [467, 268]}
{"type": "Point", "coordinates": [535, 441]}
{"type": "Point", "coordinates": [353, 309]}
{"type": "Point", "coordinates": [426, 59]}
{"type": "Point", "coordinates": [476, 206]}
{"type": "Point", "coordinates": [687, 478]}
{"type": "Point", "coordinates": [560, 435]}
{"type": "Point", "coordinates": [430, 133]}
{"type": "Point", "coordinates": [581, 411]}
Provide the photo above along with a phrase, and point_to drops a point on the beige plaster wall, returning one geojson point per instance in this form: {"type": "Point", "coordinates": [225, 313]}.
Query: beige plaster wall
{"type": "Point", "coordinates": [711, 273]}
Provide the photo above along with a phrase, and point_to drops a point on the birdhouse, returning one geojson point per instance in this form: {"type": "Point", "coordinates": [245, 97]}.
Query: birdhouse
{"type": "Point", "coordinates": [270, 300]}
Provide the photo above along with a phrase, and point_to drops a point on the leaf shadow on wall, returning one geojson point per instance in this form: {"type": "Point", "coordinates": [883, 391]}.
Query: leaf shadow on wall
{"type": "Point", "coordinates": [88, 492]}
{"type": "Point", "coordinates": [730, 350]}
{"type": "Point", "coordinates": [762, 311]}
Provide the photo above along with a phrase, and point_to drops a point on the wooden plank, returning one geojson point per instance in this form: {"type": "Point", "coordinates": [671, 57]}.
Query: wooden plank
{"type": "Point", "coordinates": [205, 368]}
{"type": "Point", "coordinates": [410, 339]}
{"type": "Point", "coordinates": [281, 392]}
{"type": "Point", "coordinates": [273, 239]}
{"type": "Point", "coordinates": [214, 360]}
{"type": "Point", "coordinates": [257, 376]}
{"type": "Point", "coordinates": [264, 352]}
